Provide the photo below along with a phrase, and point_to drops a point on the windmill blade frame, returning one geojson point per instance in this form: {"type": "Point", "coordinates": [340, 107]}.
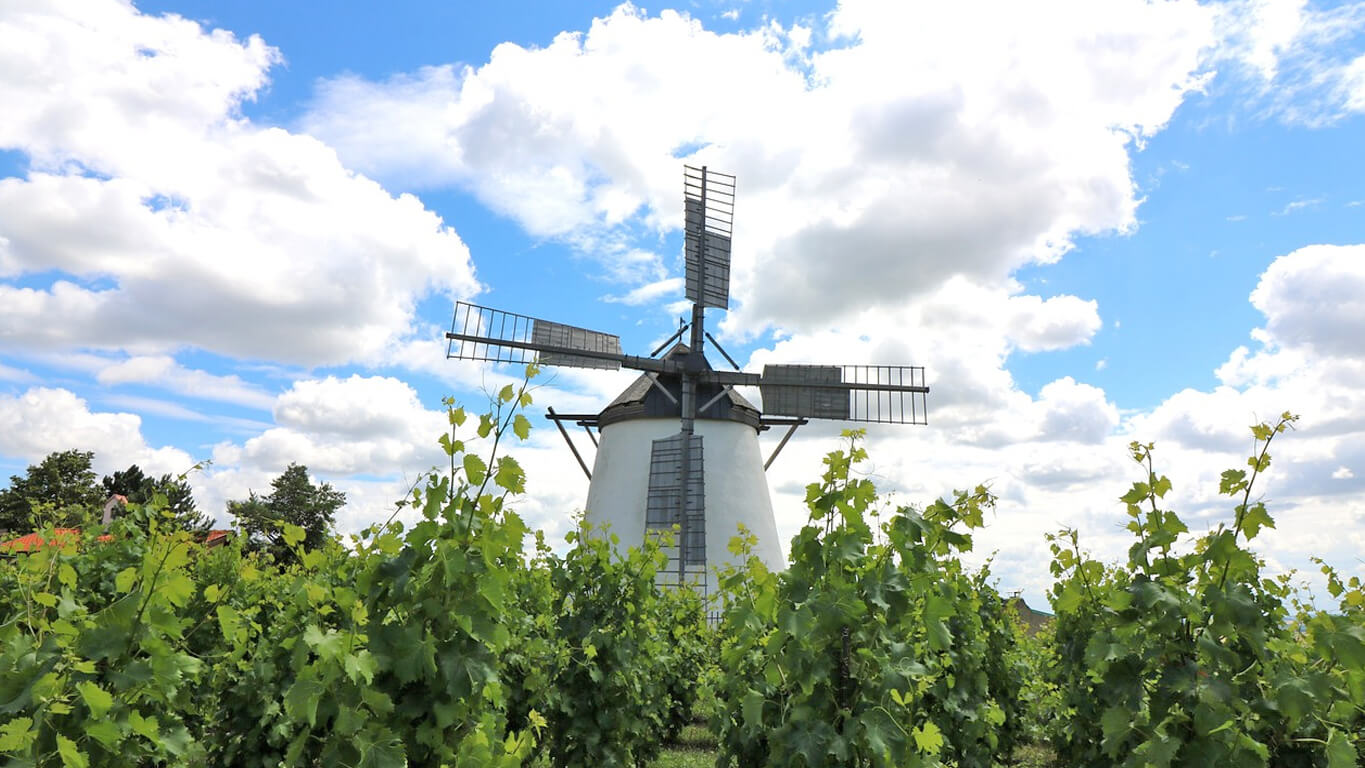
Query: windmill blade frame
{"type": "Point", "coordinates": [675, 501]}
{"type": "Point", "coordinates": [881, 394]}
{"type": "Point", "coordinates": [495, 335]}
{"type": "Point", "coordinates": [708, 226]}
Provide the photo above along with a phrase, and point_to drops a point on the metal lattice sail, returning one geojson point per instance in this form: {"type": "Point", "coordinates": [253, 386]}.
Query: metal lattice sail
{"type": "Point", "coordinates": [675, 494]}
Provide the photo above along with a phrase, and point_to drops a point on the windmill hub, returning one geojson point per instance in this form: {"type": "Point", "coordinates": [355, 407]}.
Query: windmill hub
{"type": "Point", "coordinates": [660, 396]}
{"type": "Point", "coordinates": [695, 362]}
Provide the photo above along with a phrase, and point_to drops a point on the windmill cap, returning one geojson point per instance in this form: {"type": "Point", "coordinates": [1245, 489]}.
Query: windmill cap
{"type": "Point", "coordinates": [643, 400]}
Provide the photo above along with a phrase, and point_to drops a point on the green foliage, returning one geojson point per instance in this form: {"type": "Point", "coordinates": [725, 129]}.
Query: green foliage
{"type": "Point", "coordinates": [60, 491]}
{"type": "Point", "coordinates": [607, 702]}
{"type": "Point", "coordinates": [1186, 655]}
{"type": "Point", "coordinates": [443, 643]}
{"type": "Point", "coordinates": [384, 655]}
{"type": "Point", "coordinates": [93, 665]}
{"type": "Point", "coordinates": [1038, 706]}
{"type": "Point", "coordinates": [871, 649]}
{"type": "Point", "coordinates": [1005, 663]}
{"type": "Point", "coordinates": [691, 655]}
{"type": "Point", "coordinates": [146, 649]}
{"type": "Point", "coordinates": [292, 501]}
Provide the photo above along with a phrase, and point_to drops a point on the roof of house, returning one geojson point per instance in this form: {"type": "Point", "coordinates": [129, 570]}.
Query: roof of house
{"type": "Point", "coordinates": [1034, 620]}
{"type": "Point", "coordinates": [60, 538]}
{"type": "Point", "coordinates": [63, 536]}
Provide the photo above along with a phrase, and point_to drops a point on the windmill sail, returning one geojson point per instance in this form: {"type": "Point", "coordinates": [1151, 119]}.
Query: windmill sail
{"type": "Point", "coordinates": [548, 334]}
{"type": "Point", "coordinates": [708, 218]}
{"type": "Point", "coordinates": [481, 333]}
{"type": "Point", "coordinates": [887, 394]}
{"type": "Point", "coordinates": [669, 504]}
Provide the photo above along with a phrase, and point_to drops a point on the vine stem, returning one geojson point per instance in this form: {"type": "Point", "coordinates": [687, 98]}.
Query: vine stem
{"type": "Point", "coordinates": [151, 588]}
{"type": "Point", "coordinates": [1151, 496]}
{"type": "Point", "coordinates": [493, 452]}
{"type": "Point", "coordinates": [1076, 547]}
{"type": "Point", "coordinates": [1246, 496]}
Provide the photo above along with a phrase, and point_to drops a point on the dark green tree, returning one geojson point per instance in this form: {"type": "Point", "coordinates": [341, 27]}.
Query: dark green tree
{"type": "Point", "coordinates": [139, 488]}
{"type": "Point", "coordinates": [61, 490]}
{"type": "Point", "coordinates": [293, 499]}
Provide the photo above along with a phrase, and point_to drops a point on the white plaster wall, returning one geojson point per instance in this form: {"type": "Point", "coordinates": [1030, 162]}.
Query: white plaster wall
{"type": "Point", "coordinates": [735, 485]}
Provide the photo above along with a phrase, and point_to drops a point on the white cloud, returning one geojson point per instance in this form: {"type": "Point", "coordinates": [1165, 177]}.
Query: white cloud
{"type": "Point", "coordinates": [1056, 323]}
{"type": "Point", "coordinates": [177, 221]}
{"type": "Point", "coordinates": [43, 420]}
{"type": "Point", "coordinates": [173, 410]}
{"type": "Point", "coordinates": [18, 375]}
{"type": "Point", "coordinates": [963, 334]}
{"type": "Point", "coordinates": [1308, 360]}
{"type": "Point", "coordinates": [1076, 412]}
{"type": "Point", "coordinates": [372, 438]}
{"type": "Point", "coordinates": [857, 190]}
{"type": "Point", "coordinates": [649, 292]}
{"type": "Point", "coordinates": [1060, 459]}
{"type": "Point", "coordinates": [1305, 58]}
{"type": "Point", "coordinates": [1315, 297]}
{"type": "Point", "coordinates": [357, 406]}
{"type": "Point", "coordinates": [163, 371]}
{"type": "Point", "coordinates": [1297, 205]}
{"type": "Point", "coordinates": [358, 425]}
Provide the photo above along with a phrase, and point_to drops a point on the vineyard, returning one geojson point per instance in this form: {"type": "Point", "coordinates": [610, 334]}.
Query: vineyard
{"type": "Point", "coordinates": [450, 642]}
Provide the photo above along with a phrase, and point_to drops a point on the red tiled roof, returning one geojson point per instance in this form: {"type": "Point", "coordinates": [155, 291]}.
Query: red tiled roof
{"type": "Point", "coordinates": [64, 536]}
{"type": "Point", "coordinates": [60, 537]}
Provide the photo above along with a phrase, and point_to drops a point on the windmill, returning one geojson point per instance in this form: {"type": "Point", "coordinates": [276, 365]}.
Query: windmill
{"type": "Point", "coordinates": [679, 484]}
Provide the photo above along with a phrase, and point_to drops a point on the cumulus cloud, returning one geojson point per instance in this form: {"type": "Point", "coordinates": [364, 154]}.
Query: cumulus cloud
{"type": "Point", "coordinates": [372, 437]}
{"type": "Point", "coordinates": [170, 220]}
{"type": "Point", "coordinates": [1055, 323]}
{"type": "Point", "coordinates": [43, 420]}
{"type": "Point", "coordinates": [1315, 297]}
{"type": "Point", "coordinates": [1061, 459]}
{"type": "Point", "coordinates": [1075, 411]}
{"type": "Point", "coordinates": [964, 334]}
{"type": "Point", "coordinates": [356, 425]}
{"type": "Point", "coordinates": [1305, 359]}
{"type": "Point", "coordinates": [857, 189]}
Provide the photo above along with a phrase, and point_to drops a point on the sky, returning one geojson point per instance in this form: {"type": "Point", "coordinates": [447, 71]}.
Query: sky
{"type": "Point", "coordinates": [233, 234]}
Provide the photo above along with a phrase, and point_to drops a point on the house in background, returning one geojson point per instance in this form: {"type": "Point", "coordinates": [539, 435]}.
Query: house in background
{"type": "Point", "coordinates": [1033, 620]}
{"type": "Point", "coordinates": [63, 536]}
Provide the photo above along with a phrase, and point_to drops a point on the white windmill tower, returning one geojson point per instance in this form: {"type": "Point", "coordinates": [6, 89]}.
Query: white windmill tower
{"type": "Point", "coordinates": [678, 449]}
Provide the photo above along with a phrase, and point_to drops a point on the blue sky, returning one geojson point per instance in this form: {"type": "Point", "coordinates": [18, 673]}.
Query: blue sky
{"type": "Point", "coordinates": [235, 232]}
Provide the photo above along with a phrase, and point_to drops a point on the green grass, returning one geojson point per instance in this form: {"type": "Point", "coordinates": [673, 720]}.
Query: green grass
{"type": "Point", "coordinates": [1035, 756]}
{"type": "Point", "coordinates": [694, 748]}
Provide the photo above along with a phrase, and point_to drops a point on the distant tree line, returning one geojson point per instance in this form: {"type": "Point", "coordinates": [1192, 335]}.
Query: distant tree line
{"type": "Point", "coordinates": [62, 491]}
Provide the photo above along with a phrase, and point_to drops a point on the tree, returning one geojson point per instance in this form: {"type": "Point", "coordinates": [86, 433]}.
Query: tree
{"type": "Point", "coordinates": [138, 488]}
{"type": "Point", "coordinates": [61, 490]}
{"type": "Point", "coordinates": [293, 499]}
